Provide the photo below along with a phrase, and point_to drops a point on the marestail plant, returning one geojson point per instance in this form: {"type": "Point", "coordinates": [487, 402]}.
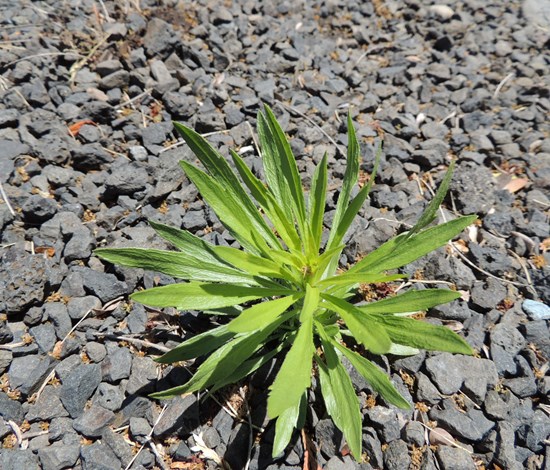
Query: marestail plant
{"type": "Point", "coordinates": [287, 297]}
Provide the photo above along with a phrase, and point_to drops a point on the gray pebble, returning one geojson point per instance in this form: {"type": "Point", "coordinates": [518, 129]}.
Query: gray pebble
{"type": "Point", "coordinates": [93, 421]}
{"type": "Point", "coordinates": [78, 386]}
{"type": "Point", "coordinates": [536, 310]}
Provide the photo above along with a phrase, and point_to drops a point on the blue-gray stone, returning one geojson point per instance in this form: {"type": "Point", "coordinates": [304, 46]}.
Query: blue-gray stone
{"type": "Point", "coordinates": [536, 310]}
{"type": "Point", "coordinates": [78, 386]}
{"type": "Point", "coordinates": [18, 459]}
{"type": "Point", "coordinates": [98, 457]}
{"type": "Point", "coordinates": [59, 456]}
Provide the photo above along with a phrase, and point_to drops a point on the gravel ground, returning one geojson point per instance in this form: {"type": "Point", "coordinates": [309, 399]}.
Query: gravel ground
{"type": "Point", "coordinates": [88, 90]}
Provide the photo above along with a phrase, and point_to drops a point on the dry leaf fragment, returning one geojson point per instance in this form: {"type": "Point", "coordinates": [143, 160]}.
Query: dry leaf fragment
{"type": "Point", "coordinates": [515, 184]}
{"type": "Point", "coordinates": [438, 436]}
{"type": "Point", "coordinates": [74, 129]}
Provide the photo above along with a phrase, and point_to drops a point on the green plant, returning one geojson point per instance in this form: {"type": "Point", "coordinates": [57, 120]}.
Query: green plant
{"type": "Point", "coordinates": [282, 290]}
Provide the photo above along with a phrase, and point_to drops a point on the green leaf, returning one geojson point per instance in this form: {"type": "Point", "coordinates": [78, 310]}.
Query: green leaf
{"type": "Point", "coordinates": [251, 231]}
{"type": "Point", "coordinates": [250, 365]}
{"type": "Point", "coordinates": [223, 361]}
{"type": "Point", "coordinates": [269, 204]}
{"type": "Point", "coordinates": [317, 201]}
{"type": "Point", "coordinates": [420, 334]}
{"type": "Point", "coordinates": [350, 180]}
{"type": "Point", "coordinates": [358, 278]}
{"type": "Point", "coordinates": [198, 345]}
{"type": "Point", "coordinates": [253, 265]}
{"type": "Point", "coordinates": [364, 329]}
{"type": "Point", "coordinates": [284, 426]}
{"type": "Point", "coordinates": [262, 314]}
{"type": "Point", "coordinates": [311, 302]}
{"type": "Point", "coordinates": [411, 301]}
{"type": "Point", "coordinates": [402, 250]}
{"type": "Point", "coordinates": [429, 214]}
{"type": "Point", "coordinates": [187, 243]}
{"type": "Point", "coordinates": [294, 377]}
{"type": "Point", "coordinates": [278, 153]}
{"type": "Point", "coordinates": [342, 404]}
{"type": "Point", "coordinates": [222, 173]}
{"type": "Point", "coordinates": [176, 264]}
{"type": "Point", "coordinates": [377, 379]}
{"type": "Point", "coordinates": [205, 296]}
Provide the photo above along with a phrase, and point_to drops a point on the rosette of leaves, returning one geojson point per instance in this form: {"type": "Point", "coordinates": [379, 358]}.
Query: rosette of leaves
{"type": "Point", "coordinates": [283, 291]}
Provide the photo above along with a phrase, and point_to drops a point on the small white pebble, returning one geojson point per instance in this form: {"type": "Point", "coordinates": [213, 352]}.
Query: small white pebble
{"type": "Point", "coordinates": [536, 310]}
{"type": "Point", "coordinates": [443, 11]}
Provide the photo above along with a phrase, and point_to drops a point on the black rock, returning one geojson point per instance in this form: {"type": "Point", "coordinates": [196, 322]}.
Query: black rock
{"type": "Point", "coordinates": [143, 375]}
{"type": "Point", "coordinates": [328, 436]}
{"type": "Point", "coordinates": [534, 433]}
{"type": "Point", "coordinates": [78, 387]}
{"type": "Point", "coordinates": [385, 421]}
{"type": "Point", "coordinates": [57, 313]}
{"type": "Point", "coordinates": [127, 179]}
{"type": "Point", "coordinates": [90, 157]}
{"type": "Point", "coordinates": [505, 454]}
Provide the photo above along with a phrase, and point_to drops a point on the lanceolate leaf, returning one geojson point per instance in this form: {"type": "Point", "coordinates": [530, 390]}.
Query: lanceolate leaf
{"type": "Point", "coordinates": [342, 405]}
{"type": "Point", "coordinates": [294, 377]}
{"type": "Point", "coordinates": [223, 362]}
{"type": "Point", "coordinates": [428, 215]}
{"type": "Point", "coordinates": [198, 345]}
{"type": "Point", "coordinates": [377, 379]}
{"type": "Point", "coordinates": [350, 180]}
{"type": "Point", "coordinates": [406, 250]}
{"type": "Point", "coordinates": [279, 147]}
{"type": "Point", "coordinates": [363, 278]}
{"type": "Point", "coordinates": [411, 301]}
{"type": "Point", "coordinates": [363, 328]}
{"type": "Point", "coordinates": [284, 426]}
{"type": "Point", "coordinates": [317, 200]}
{"type": "Point", "coordinates": [262, 314]}
{"type": "Point", "coordinates": [420, 334]}
{"type": "Point", "coordinates": [253, 265]}
{"type": "Point", "coordinates": [251, 232]}
{"type": "Point", "coordinates": [283, 225]}
{"type": "Point", "coordinates": [176, 264]}
{"type": "Point", "coordinates": [206, 296]}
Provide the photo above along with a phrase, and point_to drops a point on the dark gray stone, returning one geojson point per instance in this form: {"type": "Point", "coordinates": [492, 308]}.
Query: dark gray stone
{"type": "Point", "coordinates": [142, 376]}
{"type": "Point", "coordinates": [180, 417]}
{"type": "Point", "coordinates": [127, 179]}
{"type": "Point", "coordinates": [505, 454]}
{"type": "Point", "coordinates": [57, 313]}
{"type": "Point", "coordinates": [90, 157]}
{"type": "Point", "coordinates": [105, 286]}
{"type": "Point", "coordinates": [385, 421]}
{"type": "Point", "coordinates": [98, 457]}
{"type": "Point", "coordinates": [95, 351]}
{"type": "Point", "coordinates": [117, 365]}
{"type": "Point", "coordinates": [17, 459]}
{"type": "Point", "coordinates": [27, 373]}
{"type": "Point", "coordinates": [396, 456]}
{"type": "Point", "coordinates": [80, 306]}
{"type": "Point", "coordinates": [93, 421]}
{"type": "Point", "coordinates": [473, 425]}
{"type": "Point", "coordinates": [328, 437]}
{"type": "Point", "coordinates": [118, 445]}
{"type": "Point", "coordinates": [47, 407]}
{"type": "Point", "coordinates": [140, 429]}
{"type": "Point", "coordinates": [159, 37]}
{"type": "Point", "coordinates": [78, 387]}
{"type": "Point", "coordinates": [5, 359]}
{"type": "Point", "coordinates": [80, 246]}
{"type": "Point", "coordinates": [109, 396]}
{"type": "Point", "coordinates": [57, 457]}
{"type": "Point", "coordinates": [38, 209]}
{"type": "Point", "coordinates": [534, 433]}
{"type": "Point", "coordinates": [452, 458]}
{"type": "Point", "coordinates": [10, 409]}
{"type": "Point", "coordinates": [450, 373]}
{"type": "Point", "coordinates": [506, 343]}
{"type": "Point", "coordinates": [413, 433]}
